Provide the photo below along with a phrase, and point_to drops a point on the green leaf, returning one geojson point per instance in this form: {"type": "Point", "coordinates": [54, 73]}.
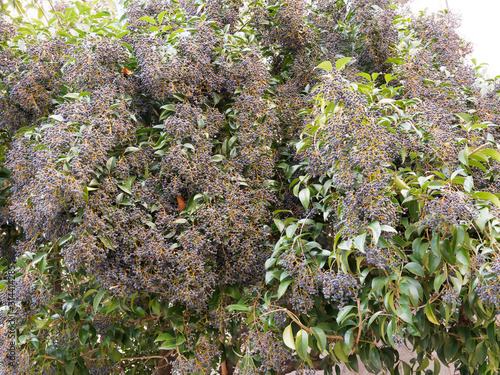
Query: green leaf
{"type": "Point", "coordinates": [438, 281]}
{"type": "Point", "coordinates": [131, 149]}
{"type": "Point", "coordinates": [305, 196]}
{"type": "Point", "coordinates": [283, 287]}
{"type": "Point", "coordinates": [107, 242]}
{"type": "Point", "coordinates": [359, 242]}
{"type": "Point", "coordinates": [342, 315]}
{"type": "Point", "coordinates": [112, 307]}
{"type": "Point", "coordinates": [168, 345]}
{"type": "Point", "coordinates": [89, 292]}
{"type": "Point", "coordinates": [487, 197]}
{"type": "Point", "coordinates": [463, 257]}
{"type": "Point", "coordinates": [404, 312]}
{"type": "Point", "coordinates": [115, 355]}
{"type": "Point", "coordinates": [69, 368]}
{"type": "Point", "coordinates": [372, 319]}
{"type": "Point", "coordinates": [339, 352]}
{"type": "Point", "coordinates": [161, 16]}
{"type": "Point", "coordinates": [148, 19]}
{"type": "Point", "coordinates": [375, 358]}
{"type": "Point", "coordinates": [435, 245]}
{"type": "Point", "coordinates": [339, 64]}
{"type": "Point", "coordinates": [434, 262]}
{"type": "Point", "coordinates": [325, 65]}
{"type": "Point", "coordinates": [376, 230]}
{"type": "Point", "coordinates": [98, 299]}
{"type": "Point", "coordinates": [462, 157]}
{"type": "Point", "coordinates": [450, 348]}
{"type": "Point", "coordinates": [437, 367]}
{"type": "Point", "coordinates": [492, 153]}
{"type": "Point", "coordinates": [302, 343]}
{"type": "Point", "coordinates": [110, 164]}
{"type": "Point", "coordinates": [481, 352]}
{"type": "Point", "coordinates": [83, 334]}
{"type": "Point", "coordinates": [349, 338]}
{"type": "Point", "coordinates": [396, 60]}
{"type": "Point", "coordinates": [320, 336]}
{"type": "Point", "coordinates": [127, 187]}
{"type": "Point", "coordinates": [415, 268]}
{"type": "Point", "coordinates": [365, 76]}
{"type": "Point", "coordinates": [458, 237]}
{"type": "Point", "coordinates": [164, 337]}
{"type": "Point", "coordinates": [430, 314]}
{"type": "Point", "coordinates": [238, 307]}
{"type": "Point", "coordinates": [57, 117]}
{"type": "Point", "coordinates": [456, 283]}
{"type": "Point", "coordinates": [21, 45]}
{"type": "Point", "coordinates": [64, 239]}
{"type": "Point", "coordinates": [288, 337]}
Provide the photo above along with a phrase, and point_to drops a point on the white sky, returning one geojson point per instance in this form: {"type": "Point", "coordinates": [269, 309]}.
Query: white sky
{"type": "Point", "coordinates": [480, 25]}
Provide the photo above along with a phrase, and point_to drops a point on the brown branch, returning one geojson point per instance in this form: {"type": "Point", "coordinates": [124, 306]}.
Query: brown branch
{"type": "Point", "coordinates": [223, 368]}
{"type": "Point", "coordinates": [89, 353]}
{"type": "Point", "coordinates": [146, 357]}
{"type": "Point", "coordinates": [58, 360]}
{"type": "Point", "coordinates": [34, 102]}
{"type": "Point", "coordinates": [307, 329]}
{"type": "Point", "coordinates": [360, 326]}
{"type": "Point", "coordinates": [477, 149]}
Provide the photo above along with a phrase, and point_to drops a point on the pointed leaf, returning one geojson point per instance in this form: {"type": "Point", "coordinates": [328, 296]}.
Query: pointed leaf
{"type": "Point", "coordinates": [288, 337]}
{"type": "Point", "coordinates": [342, 62]}
{"type": "Point", "coordinates": [325, 65]}
{"type": "Point", "coordinates": [302, 343]}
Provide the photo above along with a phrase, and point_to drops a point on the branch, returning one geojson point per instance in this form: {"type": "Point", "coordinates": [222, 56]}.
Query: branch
{"type": "Point", "coordinates": [307, 329]}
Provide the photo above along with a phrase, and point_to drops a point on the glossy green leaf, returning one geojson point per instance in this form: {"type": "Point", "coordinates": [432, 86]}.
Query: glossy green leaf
{"type": "Point", "coordinates": [302, 344]}
{"type": "Point", "coordinates": [319, 334]}
{"type": "Point", "coordinates": [288, 337]}
{"type": "Point", "coordinates": [98, 299]}
{"type": "Point", "coordinates": [304, 197]}
{"type": "Point", "coordinates": [341, 63]}
{"type": "Point", "coordinates": [415, 268]}
{"type": "Point", "coordinates": [325, 65]}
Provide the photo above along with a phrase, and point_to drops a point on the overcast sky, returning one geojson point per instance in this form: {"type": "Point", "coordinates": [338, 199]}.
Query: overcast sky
{"type": "Point", "coordinates": [480, 25]}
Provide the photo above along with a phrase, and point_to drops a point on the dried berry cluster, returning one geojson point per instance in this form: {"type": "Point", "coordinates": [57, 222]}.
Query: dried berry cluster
{"type": "Point", "coordinates": [28, 292]}
{"type": "Point", "coordinates": [489, 289]}
{"type": "Point", "coordinates": [451, 299]}
{"type": "Point", "coordinates": [356, 151]}
{"type": "Point", "coordinates": [306, 282]}
{"type": "Point", "coordinates": [159, 153]}
{"type": "Point", "coordinates": [206, 352]}
{"type": "Point", "coordinates": [453, 208]}
{"type": "Point", "coordinates": [340, 287]}
{"type": "Point", "coordinates": [75, 173]}
{"type": "Point", "coordinates": [102, 366]}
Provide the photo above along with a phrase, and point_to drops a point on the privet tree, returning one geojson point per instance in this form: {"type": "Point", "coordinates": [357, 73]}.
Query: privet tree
{"type": "Point", "coordinates": [246, 188]}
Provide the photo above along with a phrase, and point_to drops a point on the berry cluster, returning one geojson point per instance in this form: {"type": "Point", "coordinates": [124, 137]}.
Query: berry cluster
{"type": "Point", "coordinates": [451, 299]}
{"type": "Point", "coordinates": [340, 287]}
{"type": "Point", "coordinates": [489, 289]}
{"type": "Point", "coordinates": [270, 350]}
{"type": "Point", "coordinates": [453, 208]}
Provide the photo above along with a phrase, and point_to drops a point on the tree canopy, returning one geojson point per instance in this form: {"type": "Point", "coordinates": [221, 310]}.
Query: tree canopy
{"type": "Point", "coordinates": [245, 187]}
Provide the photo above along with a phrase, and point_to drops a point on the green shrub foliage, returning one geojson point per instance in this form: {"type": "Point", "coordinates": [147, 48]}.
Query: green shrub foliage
{"type": "Point", "coordinates": [242, 187]}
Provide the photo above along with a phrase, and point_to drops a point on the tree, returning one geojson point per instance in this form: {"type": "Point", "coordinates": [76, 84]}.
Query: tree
{"type": "Point", "coordinates": [247, 187]}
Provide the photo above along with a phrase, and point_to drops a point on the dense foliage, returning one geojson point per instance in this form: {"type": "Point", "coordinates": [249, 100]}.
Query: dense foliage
{"type": "Point", "coordinates": [246, 187]}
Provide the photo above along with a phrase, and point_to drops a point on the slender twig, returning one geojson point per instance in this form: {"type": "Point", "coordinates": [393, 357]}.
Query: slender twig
{"type": "Point", "coordinates": [360, 326]}
{"type": "Point", "coordinates": [50, 357]}
{"type": "Point", "coordinates": [478, 149]}
{"type": "Point", "coordinates": [307, 329]}
{"type": "Point", "coordinates": [146, 357]}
